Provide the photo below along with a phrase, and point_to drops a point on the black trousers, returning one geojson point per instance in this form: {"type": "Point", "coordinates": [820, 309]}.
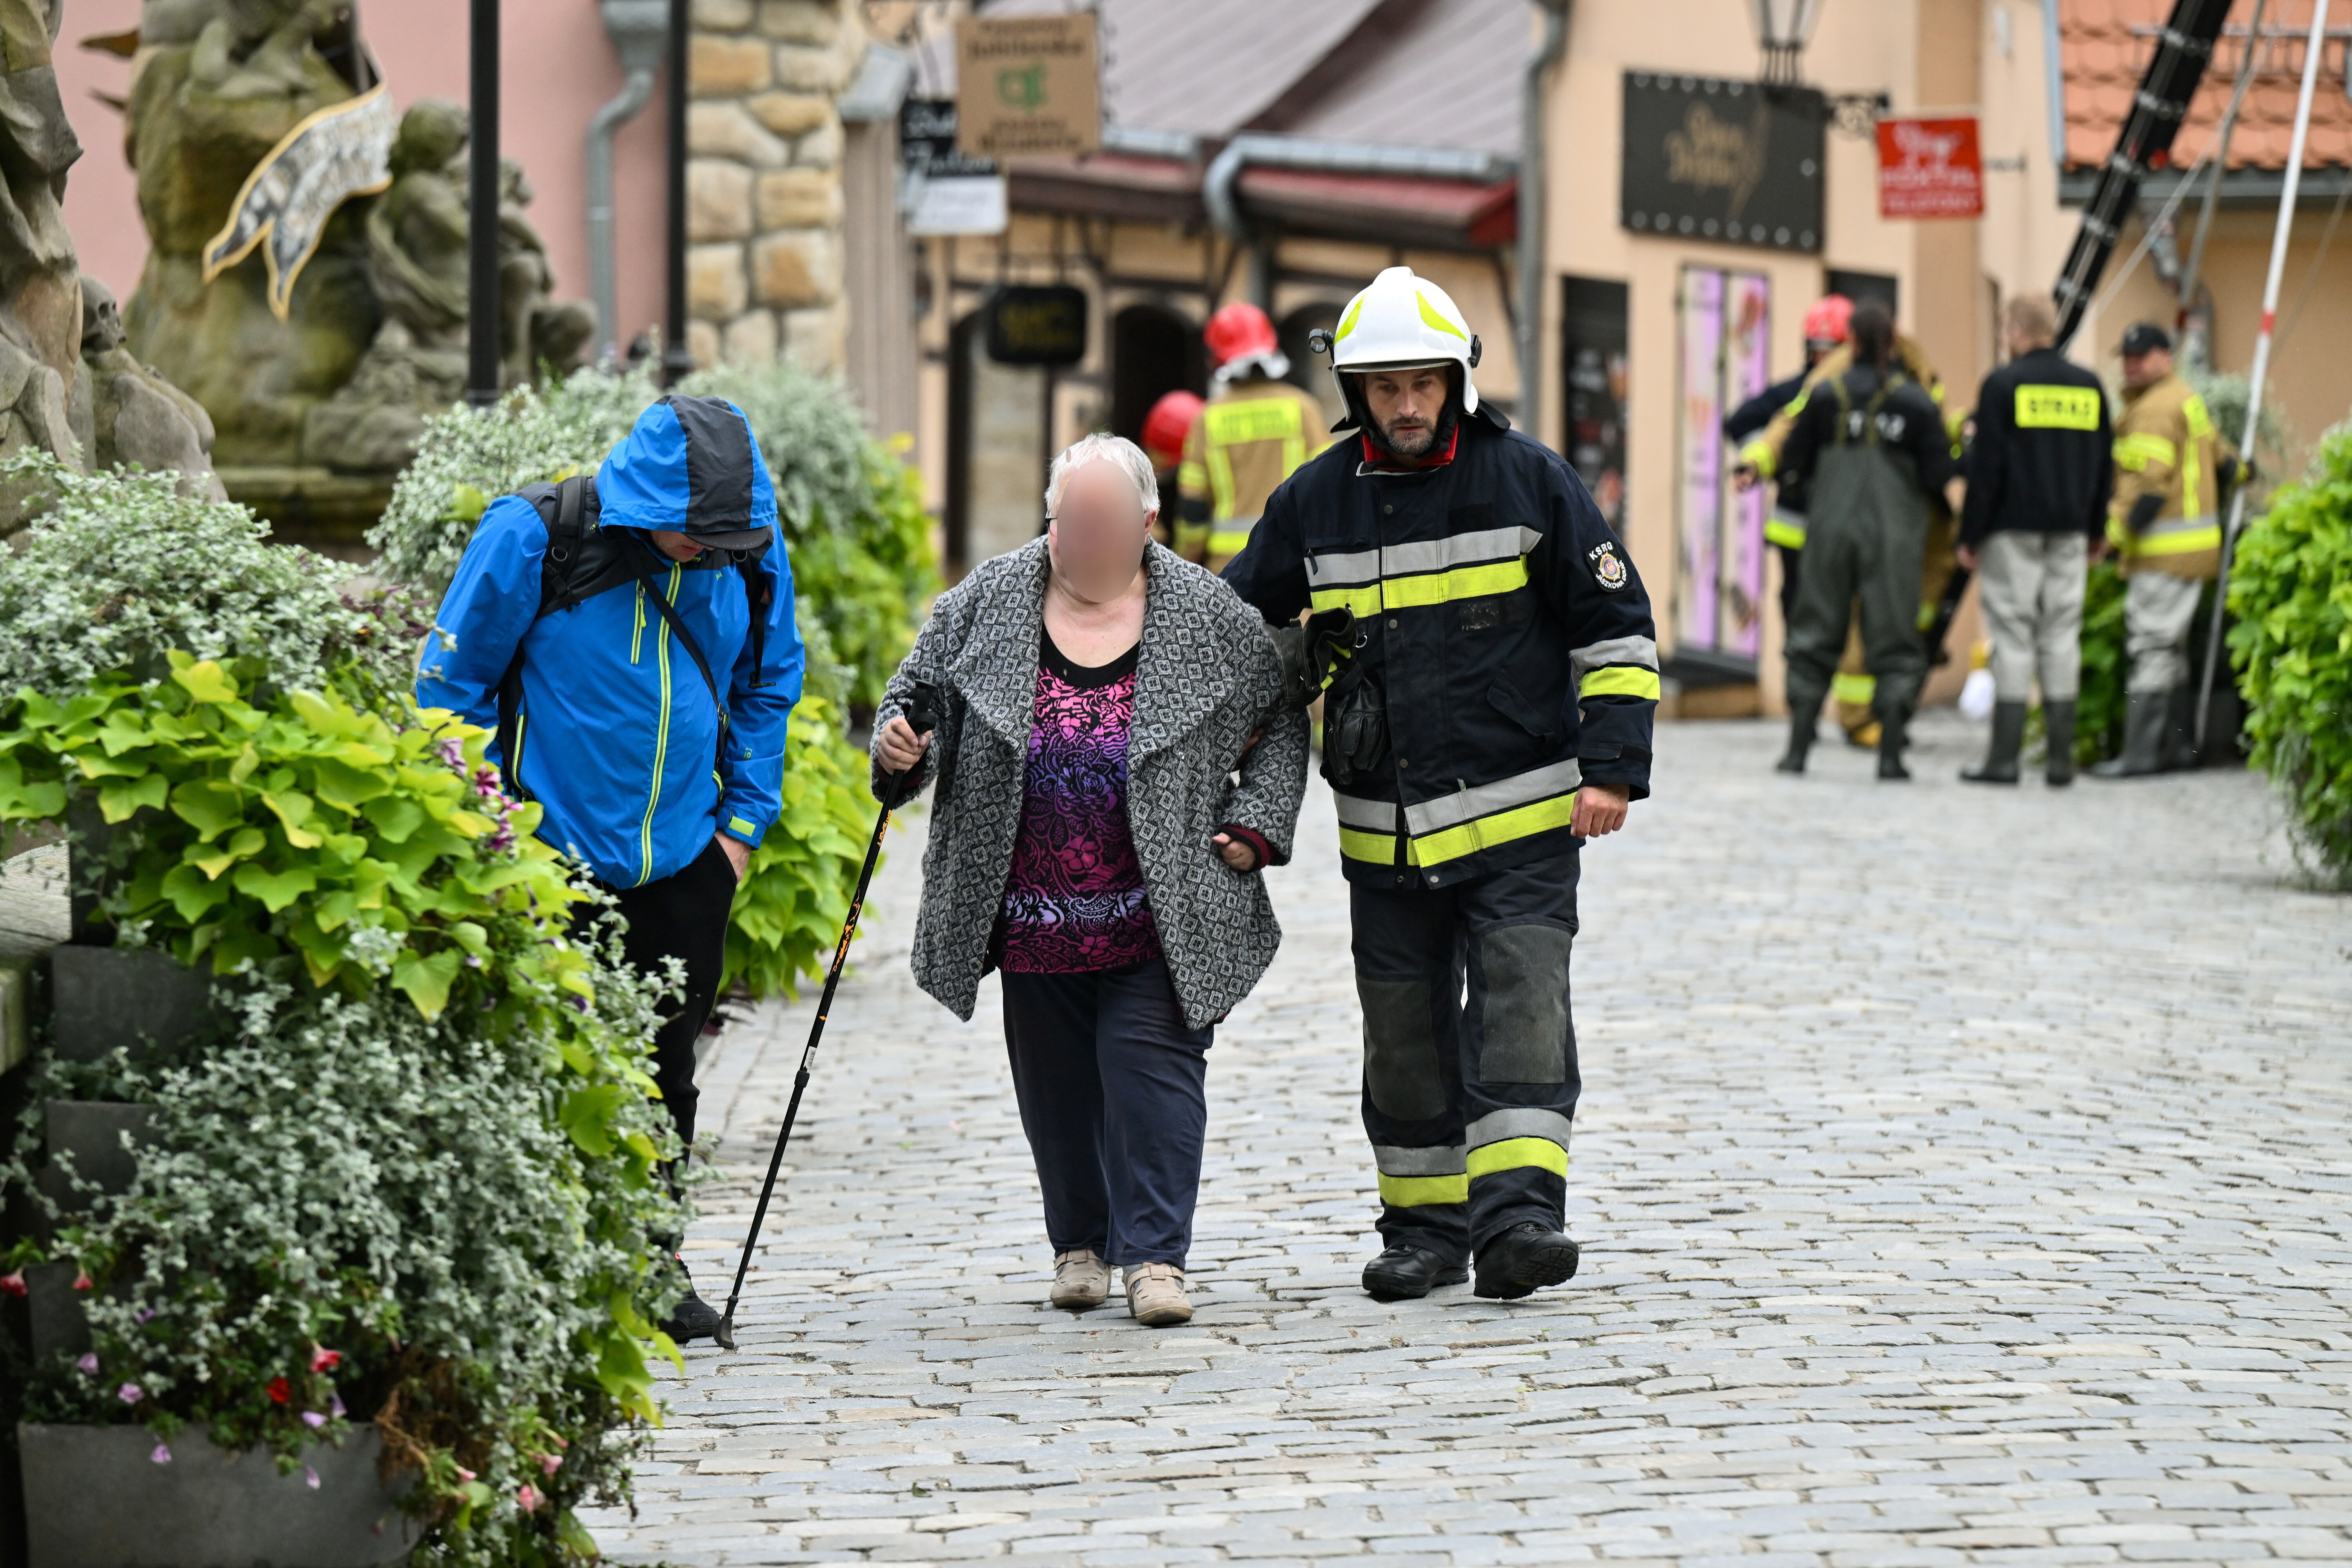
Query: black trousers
{"type": "Point", "coordinates": [1113, 1096]}
{"type": "Point", "coordinates": [682, 916]}
{"type": "Point", "coordinates": [1467, 1101]}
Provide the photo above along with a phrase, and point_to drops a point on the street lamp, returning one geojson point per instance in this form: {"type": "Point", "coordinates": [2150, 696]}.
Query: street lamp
{"type": "Point", "coordinates": [482, 354]}
{"type": "Point", "coordinates": [676, 361]}
{"type": "Point", "coordinates": [1784, 27]}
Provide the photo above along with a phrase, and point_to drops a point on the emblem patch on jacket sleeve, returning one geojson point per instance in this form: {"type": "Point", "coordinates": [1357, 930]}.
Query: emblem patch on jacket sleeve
{"type": "Point", "coordinates": [1607, 569]}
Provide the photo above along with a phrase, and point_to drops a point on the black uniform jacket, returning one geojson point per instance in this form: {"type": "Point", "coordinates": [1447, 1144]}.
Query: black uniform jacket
{"type": "Point", "coordinates": [1756, 412]}
{"type": "Point", "coordinates": [1507, 625]}
{"type": "Point", "coordinates": [1907, 422]}
{"type": "Point", "coordinates": [2042, 459]}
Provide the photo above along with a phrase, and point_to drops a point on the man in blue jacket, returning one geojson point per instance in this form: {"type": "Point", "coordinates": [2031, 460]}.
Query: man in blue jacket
{"type": "Point", "coordinates": [648, 717]}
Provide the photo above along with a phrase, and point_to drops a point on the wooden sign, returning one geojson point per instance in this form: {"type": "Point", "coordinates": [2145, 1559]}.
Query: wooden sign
{"type": "Point", "coordinates": [1028, 86]}
{"type": "Point", "coordinates": [1037, 324]}
{"type": "Point", "coordinates": [1929, 168]}
{"type": "Point", "coordinates": [1709, 159]}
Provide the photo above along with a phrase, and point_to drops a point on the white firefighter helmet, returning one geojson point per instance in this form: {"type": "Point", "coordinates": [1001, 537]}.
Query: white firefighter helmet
{"type": "Point", "coordinates": [1403, 322]}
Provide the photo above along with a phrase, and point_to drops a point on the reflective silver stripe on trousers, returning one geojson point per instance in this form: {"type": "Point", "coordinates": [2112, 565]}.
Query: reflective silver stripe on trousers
{"type": "Point", "coordinates": [2178, 525]}
{"type": "Point", "coordinates": [1583, 661]}
{"type": "Point", "coordinates": [1395, 1161]}
{"type": "Point", "coordinates": [1485, 800]}
{"type": "Point", "coordinates": [1372, 816]}
{"type": "Point", "coordinates": [1425, 555]}
{"type": "Point", "coordinates": [1516, 1123]}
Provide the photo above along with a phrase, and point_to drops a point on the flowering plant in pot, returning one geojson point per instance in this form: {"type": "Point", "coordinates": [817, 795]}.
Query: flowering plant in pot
{"type": "Point", "coordinates": [406, 1185]}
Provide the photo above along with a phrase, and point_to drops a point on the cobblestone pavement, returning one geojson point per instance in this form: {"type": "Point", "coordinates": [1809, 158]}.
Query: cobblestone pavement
{"type": "Point", "coordinates": [1962, 1176]}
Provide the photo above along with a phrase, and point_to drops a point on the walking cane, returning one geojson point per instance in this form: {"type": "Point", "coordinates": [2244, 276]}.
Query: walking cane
{"type": "Point", "coordinates": [922, 715]}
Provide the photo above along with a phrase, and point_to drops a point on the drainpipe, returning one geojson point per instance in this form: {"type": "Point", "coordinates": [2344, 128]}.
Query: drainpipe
{"type": "Point", "coordinates": [638, 29]}
{"type": "Point", "coordinates": [1529, 411]}
{"type": "Point", "coordinates": [1217, 192]}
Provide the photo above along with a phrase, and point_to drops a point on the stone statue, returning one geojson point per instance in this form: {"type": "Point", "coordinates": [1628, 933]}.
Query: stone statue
{"type": "Point", "coordinates": [40, 293]}
{"type": "Point", "coordinates": [124, 414]}
{"type": "Point", "coordinates": [416, 261]}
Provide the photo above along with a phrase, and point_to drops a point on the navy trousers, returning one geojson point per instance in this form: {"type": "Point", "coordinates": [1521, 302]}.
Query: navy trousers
{"type": "Point", "coordinates": [1114, 1097]}
{"type": "Point", "coordinates": [682, 916]}
{"type": "Point", "coordinates": [1470, 1071]}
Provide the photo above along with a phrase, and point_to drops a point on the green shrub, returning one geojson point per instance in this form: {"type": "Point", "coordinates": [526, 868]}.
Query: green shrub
{"type": "Point", "coordinates": [2291, 593]}
{"type": "Point", "coordinates": [414, 1178]}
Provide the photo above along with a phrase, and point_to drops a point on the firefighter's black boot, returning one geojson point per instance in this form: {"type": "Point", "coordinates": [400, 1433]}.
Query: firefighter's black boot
{"type": "Point", "coordinates": [2008, 739]}
{"type": "Point", "coordinates": [1407, 1273]}
{"type": "Point", "coordinates": [1804, 718]}
{"type": "Point", "coordinates": [2179, 753]}
{"type": "Point", "coordinates": [2058, 718]}
{"type": "Point", "coordinates": [1893, 735]}
{"type": "Point", "coordinates": [2142, 753]}
{"type": "Point", "coordinates": [1529, 1255]}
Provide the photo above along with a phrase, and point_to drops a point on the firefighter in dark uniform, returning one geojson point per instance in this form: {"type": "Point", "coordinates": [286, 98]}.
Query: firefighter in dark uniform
{"type": "Point", "coordinates": [1871, 447]}
{"type": "Point", "coordinates": [1493, 709]}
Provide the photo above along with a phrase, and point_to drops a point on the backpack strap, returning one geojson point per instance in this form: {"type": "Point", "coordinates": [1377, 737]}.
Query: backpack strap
{"type": "Point", "coordinates": [758, 591]}
{"type": "Point", "coordinates": [650, 580]}
{"type": "Point", "coordinates": [563, 511]}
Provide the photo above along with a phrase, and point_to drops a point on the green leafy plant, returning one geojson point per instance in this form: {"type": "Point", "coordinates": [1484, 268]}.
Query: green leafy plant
{"type": "Point", "coordinates": [2291, 593]}
{"type": "Point", "coordinates": [415, 1176]}
{"type": "Point", "coordinates": [794, 896]}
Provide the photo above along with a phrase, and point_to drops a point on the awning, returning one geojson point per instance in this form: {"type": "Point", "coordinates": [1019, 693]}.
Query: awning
{"type": "Point", "coordinates": [1386, 209]}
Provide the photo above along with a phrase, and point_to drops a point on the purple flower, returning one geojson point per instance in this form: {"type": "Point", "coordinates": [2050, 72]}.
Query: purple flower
{"type": "Point", "coordinates": [88, 1363]}
{"type": "Point", "coordinates": [142, 1314]}
{"type": "Point", "coordinates": [337, 1409]}
{"type": "Point", "coordinates": [161, 1456]}
{"type": "Point", "coordinates": [312, 1419]}
{"type": "Point", "coordinates": [309, 1478]}
{"type": "Point", "coordinates": [131, 1394]}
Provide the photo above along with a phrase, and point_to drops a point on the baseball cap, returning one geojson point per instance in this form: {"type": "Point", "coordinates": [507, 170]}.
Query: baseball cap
{"type": "Point", "coordinates": [2143, 337]}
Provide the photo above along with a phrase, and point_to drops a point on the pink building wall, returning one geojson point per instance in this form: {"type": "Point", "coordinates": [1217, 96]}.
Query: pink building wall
{"type": "Point", "coordinates": [556, 69]}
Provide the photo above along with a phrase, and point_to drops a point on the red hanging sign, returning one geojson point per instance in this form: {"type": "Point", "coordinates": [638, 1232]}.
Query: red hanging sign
{"type": "Point", "coordinates": [1929, 168]}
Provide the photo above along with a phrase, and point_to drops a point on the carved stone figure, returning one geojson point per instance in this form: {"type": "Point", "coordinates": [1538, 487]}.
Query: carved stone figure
{"type": "Point", "coordinates": [40, 294]}
{"type": "Point", "coordinates": [123, 412]}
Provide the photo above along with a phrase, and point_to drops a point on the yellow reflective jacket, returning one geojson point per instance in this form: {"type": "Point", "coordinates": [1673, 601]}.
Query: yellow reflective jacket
{"type": "Point", "coordinates": [1248, 440]}
{"type": "Point", "coordinates": [2166, 447]}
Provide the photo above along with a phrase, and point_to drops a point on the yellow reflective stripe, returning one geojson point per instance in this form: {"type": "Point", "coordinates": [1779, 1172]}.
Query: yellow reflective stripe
{"type": "Point", "coordinates": [1503, 828]}
{"type": "Point", "coordinates": [1190, 476]}
{"type": "Point", "coordinates": [2058, 409]}
{"type": "Point", "coordinates": [1429, 318]}
{"type": "Point", "coordinates": [1462, 583]}
{"type": "Point", "coordinates": [1365, 601]}
{"type": "Point", "coordinates": [2199, 426]}
{"type": "Point", "coordinates": [1221, 482]}
{"type": "Point", "coordinates": [737, 825]}
{"type": "Point", "coordinates": [1415, 1191]}
{"type": "Point", "coordinates": [1228, 540]}
{"type": "Point", "coordinates": [1787, 535]}
{"type": "Point", "coordinates": [2179, 542]}
{"type": "Point", "coordinates": [1760, 451]}
{"type": "Point", "coordinates": [1251, 419]}
{"type": "Point", "coordinates": [1192, 537]}
{"type": "Point", "coordinates": [1518, 1154]}
{"type": "Point", "coordinates": [1355, 308]}
{"type": "Point", "coordinates": [2140, 448]}
{"type": "Point", "coordinates": [1622, 680]}
{"type": "Point", "coordinates": [1380, 848]}
{"type": "Point", "coordinates": [1856, 689]}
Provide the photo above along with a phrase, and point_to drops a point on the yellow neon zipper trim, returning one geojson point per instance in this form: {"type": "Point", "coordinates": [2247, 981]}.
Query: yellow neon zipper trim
{"type": "Point", "coordinates": [637, 638]}
{"type": "Point", "coordinates": [661, 735]}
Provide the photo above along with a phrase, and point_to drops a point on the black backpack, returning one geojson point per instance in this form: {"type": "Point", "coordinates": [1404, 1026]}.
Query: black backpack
{"type": "Point", "coordinates": [583, 561]}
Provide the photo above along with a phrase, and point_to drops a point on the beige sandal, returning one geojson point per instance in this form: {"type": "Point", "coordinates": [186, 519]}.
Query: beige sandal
{"type": "Point", "coordinates": [1155, 1294]}
{"type": "Point", "coordinates": [1081, 1279]}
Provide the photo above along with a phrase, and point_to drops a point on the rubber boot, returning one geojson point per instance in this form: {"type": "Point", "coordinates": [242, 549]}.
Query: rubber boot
{"type": "Point", "coordinates": [1804, 719]}
{"type": "Point", "coordinates": [1894, 734]}
{"type": "Point", "coordinates": [2179, 753]}
{"type": "Point", "coordinates": [2058, 718]}
{"type": "Point", "coordinates": [2143, 753]}
{"type": "Point", "coordinates": [2008, 739]}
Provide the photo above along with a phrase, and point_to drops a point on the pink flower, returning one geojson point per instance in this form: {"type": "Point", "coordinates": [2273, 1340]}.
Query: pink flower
{"type": "Point", "coordinates": [14, 1283]}
{"type": "Point", "coordinates": [161, 1456]}
{"type": "Point", "coordinates": [528, 1497]}
{"type": "Point", "coordinates": [336, 1409]}
{"type": "Point", "coordinates": [550, 1463]}
{"type": "Point", "coordinates": [309, 1478]}
{"type": "Point", "coordinates": [465, 1476]}
{"type": "Point", "coordinates": [313, 1420]}
{"type": "Point", "coordinates": [88, 1363]}
{"type": "Point", "coordinates": [82, 1281]}
{"type": "Point", "coordinates": [324, 1360]}
{"type": "Point", "coordinates": [131, 1394]}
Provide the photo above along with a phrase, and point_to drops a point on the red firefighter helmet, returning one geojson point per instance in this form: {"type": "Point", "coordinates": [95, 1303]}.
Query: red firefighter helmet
{"type": "Point", "coordinates": [1830, 321]}
{"type": "Point", "coordinates": [1165, 426]}
{"type": "Point", "coordinates": [1239, 330]}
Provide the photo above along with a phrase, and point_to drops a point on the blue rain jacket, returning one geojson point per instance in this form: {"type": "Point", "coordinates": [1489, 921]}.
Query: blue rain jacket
{"type": "Point", "coordinates": [618, 736]}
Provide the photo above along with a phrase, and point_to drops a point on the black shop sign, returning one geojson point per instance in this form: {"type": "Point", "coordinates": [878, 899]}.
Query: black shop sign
{"type": "Point", "coordinates": [1730, 162]}
{"type": "Point", "coordinates": [1037, 324]}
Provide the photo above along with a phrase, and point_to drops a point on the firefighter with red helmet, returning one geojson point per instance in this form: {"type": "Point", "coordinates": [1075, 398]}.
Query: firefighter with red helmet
{"type": "Point", "coordinates": [1164, 430]}
{"type": "Point", "coordinates": [1254, 431]}
{"type": "Point", "coordinates": [1826, 326]}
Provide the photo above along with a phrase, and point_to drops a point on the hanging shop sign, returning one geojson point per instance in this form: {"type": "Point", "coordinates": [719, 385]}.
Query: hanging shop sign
{"type": "Point", "coordinates": [1732, 162]}
{"type": "Point", "coordinates": [942, 190]}
{"type": "Point", "coordinates": [1037, 324]}
{"type": "Point", "coordinates": [1929, 168]}
{"type": "Point", "coordinates": [1028, 86]}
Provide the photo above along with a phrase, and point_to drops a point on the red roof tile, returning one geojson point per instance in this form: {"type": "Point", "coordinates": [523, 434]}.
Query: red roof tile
{"type": "Point", "coordinates": [2105, 45]}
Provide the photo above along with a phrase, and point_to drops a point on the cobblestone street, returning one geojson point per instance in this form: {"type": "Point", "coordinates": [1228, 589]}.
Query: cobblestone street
{"type": "Point", "coordinates": [1962, 1176]}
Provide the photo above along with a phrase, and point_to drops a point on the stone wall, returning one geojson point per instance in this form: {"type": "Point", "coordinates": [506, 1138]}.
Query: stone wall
{"type": "Point", "coordinates": [763, 204]}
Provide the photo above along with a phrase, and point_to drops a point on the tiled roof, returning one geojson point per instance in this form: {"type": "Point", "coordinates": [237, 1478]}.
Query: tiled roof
{"type": "Point", "coordinates": [2105, 45]}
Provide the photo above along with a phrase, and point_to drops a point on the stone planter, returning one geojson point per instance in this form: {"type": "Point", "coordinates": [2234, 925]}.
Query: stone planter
{"type": "Point", "coordinates": [102, 998]}
{"type": "Point", "coordinates": [94, 1497]}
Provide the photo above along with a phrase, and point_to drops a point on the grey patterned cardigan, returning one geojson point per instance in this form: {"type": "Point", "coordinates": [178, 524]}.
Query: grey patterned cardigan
{"type": "Point", "coordinates": [1206, 677]}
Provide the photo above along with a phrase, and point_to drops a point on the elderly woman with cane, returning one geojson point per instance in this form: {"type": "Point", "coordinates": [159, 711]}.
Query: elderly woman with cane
{"type": "Point", "coordinates": [1114, 767]}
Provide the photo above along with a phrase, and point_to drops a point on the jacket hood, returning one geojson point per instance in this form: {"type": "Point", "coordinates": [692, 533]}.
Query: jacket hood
{"type": "Point", "coordinates": [689, 464]}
